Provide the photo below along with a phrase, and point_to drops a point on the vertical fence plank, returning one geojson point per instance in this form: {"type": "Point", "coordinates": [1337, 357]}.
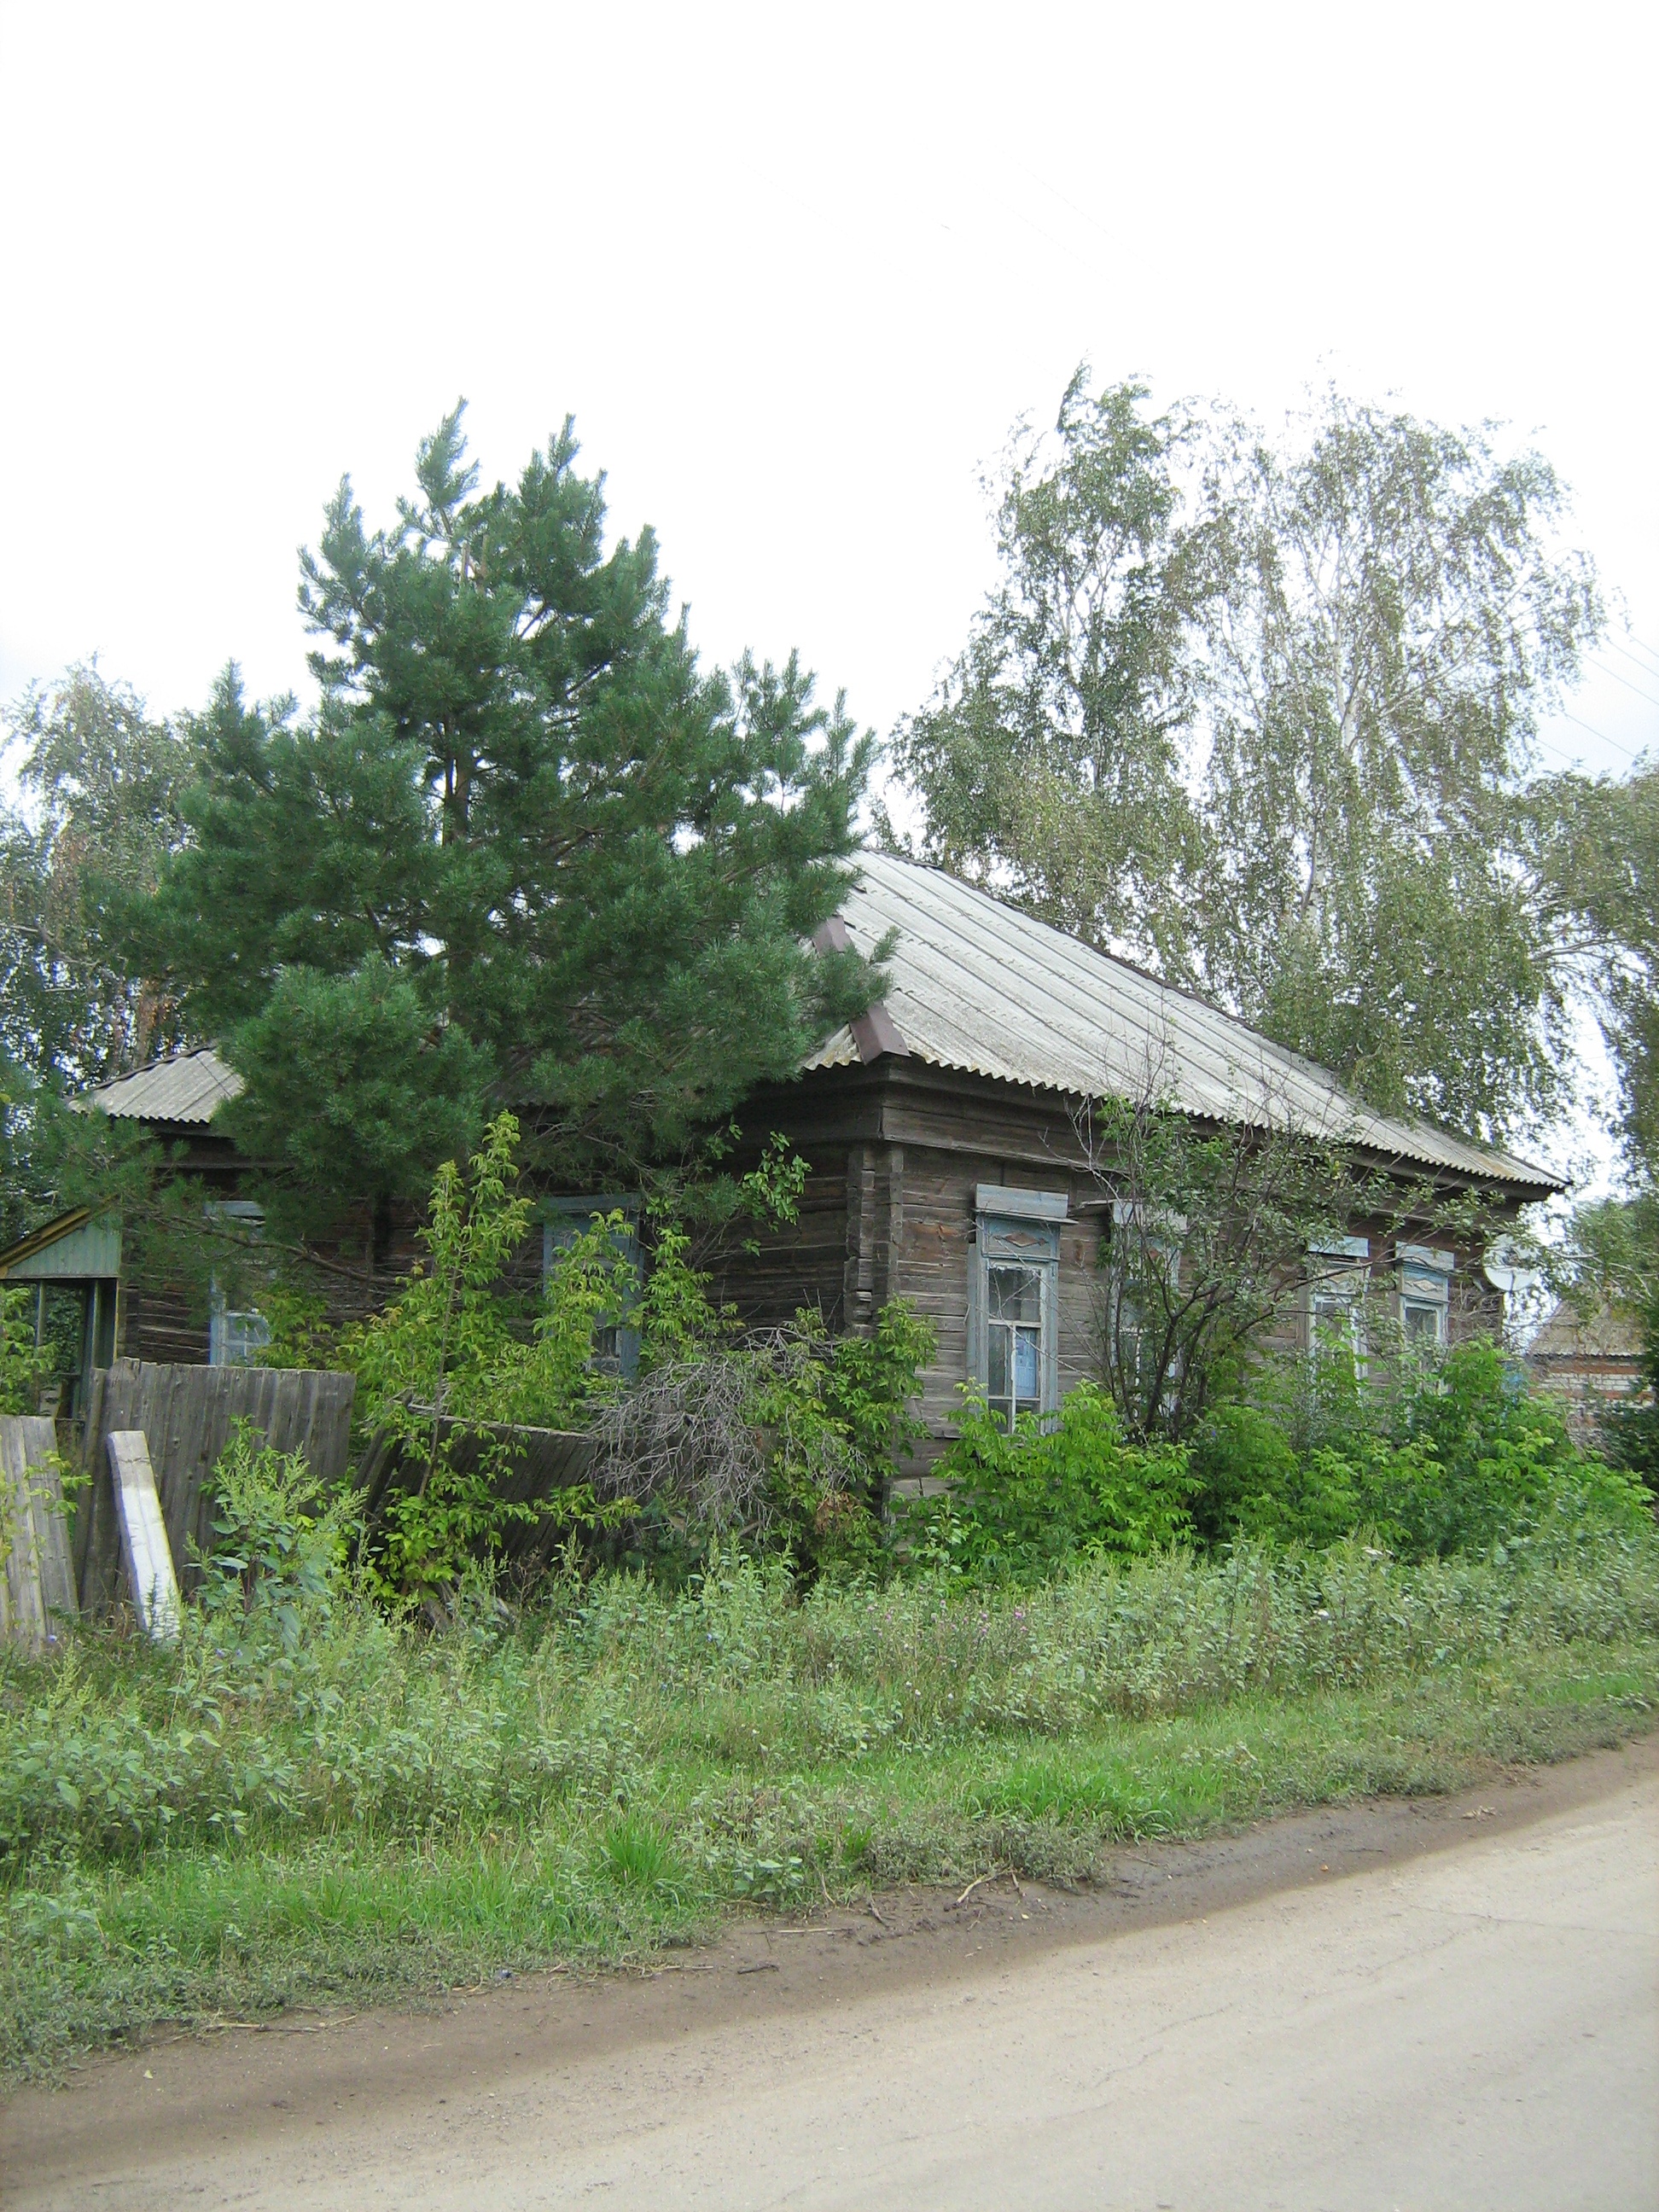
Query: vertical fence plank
{"type": "Point", "coordinates": [38, 1581]}
{"type": "Point", "coordinates": [186, 1415]}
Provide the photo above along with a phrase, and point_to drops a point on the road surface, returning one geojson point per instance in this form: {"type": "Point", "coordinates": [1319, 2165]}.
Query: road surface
{"type": "Point", "coordinates": [1475, 2026]}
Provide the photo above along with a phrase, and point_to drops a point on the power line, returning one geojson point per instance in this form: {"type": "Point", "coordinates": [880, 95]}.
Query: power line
{"type": "Point", "coordinates": [1601, 734]}
{"type": "Point", "coordinates": [1626, 681]}
{"type": "Point", "coordinates": [1635, 660]}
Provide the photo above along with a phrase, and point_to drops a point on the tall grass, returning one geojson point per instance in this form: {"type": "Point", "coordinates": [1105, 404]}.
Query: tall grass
{"type": "Point", "coordinates": [246, 1820]}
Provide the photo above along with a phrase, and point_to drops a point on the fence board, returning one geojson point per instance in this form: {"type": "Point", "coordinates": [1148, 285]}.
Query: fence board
{"type": "Point", "coordinates": [536, 1463]}
{"type": "Point", "coordinates": [39, 1580]}
{"type": "Point", "coordinates": [187, 1414]}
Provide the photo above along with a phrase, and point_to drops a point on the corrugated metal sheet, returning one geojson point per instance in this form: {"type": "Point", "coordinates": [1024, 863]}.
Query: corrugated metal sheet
{"type": "Point", "coordinates": [76, 1247]}
{"type": "Point", "coordinates": [976, 985]}
{"type": "Point", "coordinates": [185, 1089]}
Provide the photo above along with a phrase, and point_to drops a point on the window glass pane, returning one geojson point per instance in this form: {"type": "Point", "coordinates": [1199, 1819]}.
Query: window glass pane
{"type": "Point", "coordinates": [1422, 1323]}
{"type": "Point", "coordinates": [997, 1350]}
{"type": "Point", "coordinates": [1016, 1294]}
{"type": "Point", "coordinates": [1028, 1369]}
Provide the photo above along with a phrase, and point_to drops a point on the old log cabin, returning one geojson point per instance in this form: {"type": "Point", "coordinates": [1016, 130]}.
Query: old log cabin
{"type": "Point", "coordinates": [943, 1133]}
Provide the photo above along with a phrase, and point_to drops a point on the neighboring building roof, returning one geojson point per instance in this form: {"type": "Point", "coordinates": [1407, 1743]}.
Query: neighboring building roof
{"type": "Point", "coordinates": [1568, 1335]}
{"type": "Point", "coordinates": [186, 1090]}
{"type": "Point", "coordinates": [976, 985]}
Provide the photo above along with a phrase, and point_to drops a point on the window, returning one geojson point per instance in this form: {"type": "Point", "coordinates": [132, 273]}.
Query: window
{"type": "Point", "coordinates": [616, 1349]}
{"type": "Point", "coordinates": [236, 1335]}
{"type": "Point", "coordinates": [235, 1338]}
{"type": "Point", "coordinates": [1425, 1294]}
{"type": "Point", "coordinates": [1339, 1271]}
{"type": "Point", "coordinates": [1144, 1281]}
{"type": "Point", "coordinates": [1013, 1300]}
{"type": "Point", "coordinates": [1013, 1341]}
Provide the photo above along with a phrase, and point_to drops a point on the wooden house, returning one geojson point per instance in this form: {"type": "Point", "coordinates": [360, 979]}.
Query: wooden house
{"type": "Point", "coordinates": [944, 1132]}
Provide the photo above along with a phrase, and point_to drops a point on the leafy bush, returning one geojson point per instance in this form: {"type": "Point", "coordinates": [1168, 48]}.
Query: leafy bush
{"type": "Point", "coordinates": [23, 1368]}
{"type": "Point", "coordinates": [1457, 1456]}
{"type": "Point", "coordinates": [1254, 1485]}
{"type": "Point", "coordinates": [1020, 1506]}
{"type": "Point", "coordinates": [282, 1546]}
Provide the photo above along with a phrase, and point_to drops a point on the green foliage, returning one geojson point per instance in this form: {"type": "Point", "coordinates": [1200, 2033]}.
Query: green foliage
{"type": "Point", "coordinates": [1459, 1457]}
{"type": "Point", "coordinates": [23, 1368]}
{"type": "Point", "coordinates": [353, 1089]}
{"type": "Point", "coordinates": [693, 1706]}
{"type": "Point", "coordinates": [1021, 1507]}
{"type": "Point", "coordinates": [100, 785]}
{"type": "Point", "coordinates": [1254, 1485]}
{"type": "Point", "coordinates": [280, 1548]}
{"type": "Point", "coordinates": [525, 849]}
{"type": "Point", "coordinates": [1596, 844]}
{"type": "Point", "coordinates": [1259, 712]}
{"type": "Point", "coordinates": [451, 1359]}
{"type": "Point", "coordinates": [1050, 761]}
{"type": "Point", "coordinates": [840, 1422]}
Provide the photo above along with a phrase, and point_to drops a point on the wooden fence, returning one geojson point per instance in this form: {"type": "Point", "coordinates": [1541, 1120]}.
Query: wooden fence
{"type": "Point", "coordinates": [526, 1466]}
{"type": "Point", "coordinates": [38, 1580]}
{"type": "Point", "coordinates": [187, 1414]}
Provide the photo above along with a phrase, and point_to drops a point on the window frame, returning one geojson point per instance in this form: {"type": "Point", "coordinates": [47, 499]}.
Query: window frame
{"type": "Point", "coordinates": [563, 1219]}
{"type": "Point", "coordinates": [1423, 1285]}
{"type": "Point", "coordinates": [1017, 1228]}
{"type": "Point", "coordinates": [1339, 1292]}
{"type": "Point", "coordinates": [236, 1333]}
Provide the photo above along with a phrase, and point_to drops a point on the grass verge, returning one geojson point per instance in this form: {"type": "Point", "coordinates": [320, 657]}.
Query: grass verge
{"type": "Point", "coordinates": [370, 1813]}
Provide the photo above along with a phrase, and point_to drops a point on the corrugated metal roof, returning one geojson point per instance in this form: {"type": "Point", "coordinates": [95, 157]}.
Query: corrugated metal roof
{"type": "Point", "coordinates": [186, 1090]}
{"type": "Point", "coordinates": [976, 985]}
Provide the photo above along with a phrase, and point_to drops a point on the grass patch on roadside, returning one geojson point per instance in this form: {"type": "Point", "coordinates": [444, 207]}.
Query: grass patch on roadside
{"type": "Point", "coordinates": [378, 1813]}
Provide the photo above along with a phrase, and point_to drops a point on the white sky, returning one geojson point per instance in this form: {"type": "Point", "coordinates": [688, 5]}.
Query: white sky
{"type": "Point", "coordinates": [794, 271]}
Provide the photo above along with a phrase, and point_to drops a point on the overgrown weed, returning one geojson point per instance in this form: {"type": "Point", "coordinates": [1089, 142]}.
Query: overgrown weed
{"type": "Point", "coordinates": [244, 1822]}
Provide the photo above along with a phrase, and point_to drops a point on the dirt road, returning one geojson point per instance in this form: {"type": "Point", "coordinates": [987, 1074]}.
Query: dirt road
{"type": "Point", "coordinates": [1429, 2007]}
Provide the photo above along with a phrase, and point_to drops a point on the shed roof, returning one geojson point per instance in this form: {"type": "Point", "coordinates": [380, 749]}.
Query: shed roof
{"type": "Point", "coordinates": [976, 985]}
{"type": "Point", "coordinates": [186, 1090]}
{"type": "Point", "coordinates": [78, 1247]}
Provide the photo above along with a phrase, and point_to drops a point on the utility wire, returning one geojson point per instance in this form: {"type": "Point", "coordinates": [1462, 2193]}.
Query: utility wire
{"type": "Point", "coordinates": [1624, 680]}
{"type": "Point", "coordinates": [1635, 660]}
{"type": "Point", "coordinates": [1601, 734]}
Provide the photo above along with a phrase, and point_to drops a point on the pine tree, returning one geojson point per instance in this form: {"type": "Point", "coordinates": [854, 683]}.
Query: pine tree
{"type": "Point", "coordinates": [525, 851]}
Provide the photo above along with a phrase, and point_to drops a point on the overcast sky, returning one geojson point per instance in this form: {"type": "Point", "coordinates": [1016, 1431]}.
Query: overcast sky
{"type": "Point", "coordinates": [795, 273]}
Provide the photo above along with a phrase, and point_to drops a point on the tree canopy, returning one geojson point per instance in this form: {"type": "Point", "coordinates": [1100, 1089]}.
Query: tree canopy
{"type": "Point", "coordinates": [1261, 715]}
{"type": "Point", "coordinates": [526, 850]}
{"type": "Point", "coordinates": [98, 784]}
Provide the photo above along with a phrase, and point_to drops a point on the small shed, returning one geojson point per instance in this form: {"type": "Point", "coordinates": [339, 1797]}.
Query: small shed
{"type": "Point", "coordinates": [77, 1259]}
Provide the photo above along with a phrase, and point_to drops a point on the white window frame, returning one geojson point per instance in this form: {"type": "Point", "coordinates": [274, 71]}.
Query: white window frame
{"type": "Point", "coordinates": [1015, 1228]}
{"type": "Point", "coordinates": [1425, 1289]}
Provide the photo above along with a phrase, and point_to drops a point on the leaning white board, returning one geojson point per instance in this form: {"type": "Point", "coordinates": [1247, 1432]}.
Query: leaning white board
{"type": "Point", "coordinates": [145, 1552]}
